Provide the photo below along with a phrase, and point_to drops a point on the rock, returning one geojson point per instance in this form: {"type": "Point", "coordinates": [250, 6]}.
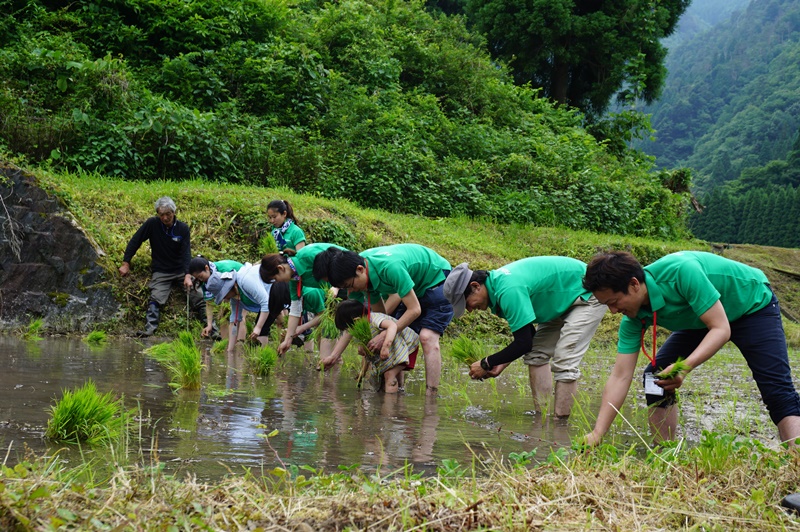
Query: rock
{"type": "Point", "coordinates": [48, 264]}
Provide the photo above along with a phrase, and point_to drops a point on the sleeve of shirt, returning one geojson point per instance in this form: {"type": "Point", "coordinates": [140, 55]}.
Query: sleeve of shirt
{"type": "Point", "coordinates": [630, 335]}
{"type": "Point", "coordinates": [399, 279]}
{"type": "Point", "coordinates": [696, 288]}
{"type": "Point", "coordinates": [523, 342]}
{"type": "Point", "coordinates": [516, 308]}
{"type": "Point", "coordinates": [186, 248]}
{"type": "Point", "coordinates": [136, 241]}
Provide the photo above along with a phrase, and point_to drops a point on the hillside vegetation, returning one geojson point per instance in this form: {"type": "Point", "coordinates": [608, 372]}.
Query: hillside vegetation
{"type": "Point", "coordinates": [376, 101]}
{"type": "Point", "coordinates": [732, 98]}
{"type": "Point", "coordinates": [229, 222]}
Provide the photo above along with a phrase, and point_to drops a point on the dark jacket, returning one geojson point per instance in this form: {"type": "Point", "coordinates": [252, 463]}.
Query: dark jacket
{"type": "Point", "coordinates": [170, 248]}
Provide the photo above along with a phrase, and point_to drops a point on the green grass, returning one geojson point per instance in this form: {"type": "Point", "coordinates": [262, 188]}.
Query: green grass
{"type": "Point", "coordinates": [33, 330]}
{"type": "Point", "coordinates": [96, 338]}
{"type": "Point", "coordinates": [261, 359]}
{"type": "Point", "coordinates": [86, 416]}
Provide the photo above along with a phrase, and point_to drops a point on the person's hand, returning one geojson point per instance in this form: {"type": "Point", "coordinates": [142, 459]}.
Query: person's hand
{"type": "Point", "coordinates": [477, 372]}
{"type": "Point", "coordinates": [206, 331]}
{"type": "Point", "coordinates": [671, 384]}
{"type": "Point", "coordinates": [327, 362]}
{"type": "Point", "coordinates": [497, 370]}
{"type": "Point", "coordinates": [256, 333]}
{"type": "Point", "coordinates": [385, 352]}
{"type": "Point", "coordinates": [591, 440]}
{"type": "Point", "coordinates": [125, 269]}
{"type": "Point", "coordinates": [376, 344]}
{"type": "Point", "coordinates": [363, 351]}
{"type": "Point", "coordinates": [284, 347]}
{"type": "Point", "coordinates": [188, 282]}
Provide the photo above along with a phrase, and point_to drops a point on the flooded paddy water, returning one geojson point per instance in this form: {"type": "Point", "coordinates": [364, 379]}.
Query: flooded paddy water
{"type": "Point", "coordinates": [325, 421]}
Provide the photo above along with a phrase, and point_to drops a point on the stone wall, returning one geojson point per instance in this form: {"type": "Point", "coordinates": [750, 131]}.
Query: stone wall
{"type": "Point", "coordinates": [48, 265]}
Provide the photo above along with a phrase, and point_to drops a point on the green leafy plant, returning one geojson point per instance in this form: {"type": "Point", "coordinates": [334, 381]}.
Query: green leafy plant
{"type": "Point", "coordinates": [327, 323]}
{"type": "Point", "coordinates": [86, 416]}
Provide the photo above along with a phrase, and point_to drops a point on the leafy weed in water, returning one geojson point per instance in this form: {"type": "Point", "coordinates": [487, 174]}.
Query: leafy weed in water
{"type": "Point", "coordinates": [33, 330]}
{"type": "Point", "coordinates": [96, 338]}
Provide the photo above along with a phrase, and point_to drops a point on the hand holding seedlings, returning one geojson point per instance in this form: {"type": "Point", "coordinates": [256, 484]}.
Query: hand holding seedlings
{"type": "Point", "coordinates": [671, 378]}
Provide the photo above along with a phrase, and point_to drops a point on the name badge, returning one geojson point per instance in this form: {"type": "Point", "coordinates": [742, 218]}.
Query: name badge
{"type": "Point", "coordinates": [650, 386]}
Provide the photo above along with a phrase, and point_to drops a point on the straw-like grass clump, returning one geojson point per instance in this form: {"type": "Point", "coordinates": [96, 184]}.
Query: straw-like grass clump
{"type": "Point", "coordinates": [261, 358]}
{"type": "Point", "coordinates": [467, 351]}
{"type": "Point", "coordinates": [182, 359]}
{"type": "Point", "coordinates": [86, 416]}
{"type": "Point", "coordinates": [361, 331]}
{"type": "Point", "coordinates": [96, 338]}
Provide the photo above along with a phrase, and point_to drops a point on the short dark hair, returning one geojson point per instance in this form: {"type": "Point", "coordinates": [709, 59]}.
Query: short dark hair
{"type": "Point", "coordinates": [342, 266]}
{"type": "Point", "coordinates": [347, 312]}
{"type": "Point", "coordinates": [478, 276]}
{"type": "Point", "coordinates": [612, 270]}
{"type": "Point", "coordinates": [198, 264]}
{"type": "Point", "coordinates": [322, 262]}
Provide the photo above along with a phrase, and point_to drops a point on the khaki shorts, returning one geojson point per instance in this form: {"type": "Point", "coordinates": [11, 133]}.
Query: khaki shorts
{"type": "Point", "coordinates": [161, 285]}
{"type": "Point", "coordinates": [563, 341]}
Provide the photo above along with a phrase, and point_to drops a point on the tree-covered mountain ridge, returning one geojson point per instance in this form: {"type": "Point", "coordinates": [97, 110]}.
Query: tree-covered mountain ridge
{"type": "Point", "coordinates": [377, 101]}
{"type": "Point", "coordinates": [732, 98]}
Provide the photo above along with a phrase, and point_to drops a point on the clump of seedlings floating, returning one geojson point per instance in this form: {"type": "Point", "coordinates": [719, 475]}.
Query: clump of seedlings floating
{"type": "Point", "coordinates": [182, 359]}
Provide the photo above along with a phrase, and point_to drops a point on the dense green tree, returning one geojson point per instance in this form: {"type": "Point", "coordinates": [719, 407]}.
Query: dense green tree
{"type": "Point", "coordinates": [580, 51]}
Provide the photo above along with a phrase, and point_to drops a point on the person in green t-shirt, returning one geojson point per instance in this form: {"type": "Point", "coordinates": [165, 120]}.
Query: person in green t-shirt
{"type": "Point", "coordinates": [705, 300]}
{"type": "Point", "coordinates": [299, 272]}
{"type": "Point", "coordinates": [403, 280]}
{"type": "Point", "coordinates": [288, 236]}
{"type": "Point", "coordinates": [547, 291]}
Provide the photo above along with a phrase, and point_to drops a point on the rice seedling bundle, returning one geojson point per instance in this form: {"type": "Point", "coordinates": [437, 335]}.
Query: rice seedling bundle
{"type": "Point", "coordinates": [220, 346]}
{"type": "Point", "coordinates": [162, 352]}
{"type": "Point", "coordinates": [86, 416]}
{"type": "Point", "coordinates": [182, 359]}
{"type": "Point", "coordinates": [96, 338]}
{"type": "Point", "coordinates": [361, 331]}
{"type": "Point", "coordinates": [678, 367]}
{"type": "Point", "coordinates": [261, 359]}
{"type": "Point", "coordinates": [327, 324]}
{"type": "Point", "coordinates": [467, 351]}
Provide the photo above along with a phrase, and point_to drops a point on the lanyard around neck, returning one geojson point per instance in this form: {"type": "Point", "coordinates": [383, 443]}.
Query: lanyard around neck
{"type": "Point", "coordinates": [644, 349]}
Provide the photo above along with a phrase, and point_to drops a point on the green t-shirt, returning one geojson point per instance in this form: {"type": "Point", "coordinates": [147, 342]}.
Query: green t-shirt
{"type": "Point", "coordinates": [536, 289]}
{"type": "Point", "coordinates": [313, 299]}
{"type": "Point", "coordinates": [400, 268]}
{"type": "Point", "coordinates": [291, 237]}
{"type": "Point", "coordinates": [304, 264]}
{"type": "Point", "coordinates": [684, 285]}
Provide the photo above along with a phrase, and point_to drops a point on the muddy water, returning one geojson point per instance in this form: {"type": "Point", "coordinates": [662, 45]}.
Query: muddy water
{"type": "Point", "coordinates": [323, 420]}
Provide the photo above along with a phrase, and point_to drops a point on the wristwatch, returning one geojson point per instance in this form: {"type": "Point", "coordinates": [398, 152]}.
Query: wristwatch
{"type": "Point", "coordinates": [485, 364]}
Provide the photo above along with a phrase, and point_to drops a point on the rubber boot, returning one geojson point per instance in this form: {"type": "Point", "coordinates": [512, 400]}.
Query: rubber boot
{"type": "Point", "coordinates": [151, 320]}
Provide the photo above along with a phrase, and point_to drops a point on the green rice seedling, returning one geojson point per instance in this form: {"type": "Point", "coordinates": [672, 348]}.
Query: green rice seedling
{"type": "Point", "coordinates": [466, 350]}
{"type": "Point", "coordinates": [261, 359]}
{"type": "Point", "coordinates": [186, 338]}
{"type": "Point", "coordinates": [185, 366]}
{"type": "Point", "coordinates": [86, 416]}
{"type": "Point", "coordinates": [96, 338]}
{"type": "Point", "coordinates": [220, 347]}
{"type": "Point", "coordinates": [327, 324]}
{"type": "Point", "coordinates": [34, 328]}
{"type": "Point", "coordinates": [678, 367]}
{"type": "Point", "coordinates": [361, 331]}
{"type": "Point", "coordinates": [162, 352]}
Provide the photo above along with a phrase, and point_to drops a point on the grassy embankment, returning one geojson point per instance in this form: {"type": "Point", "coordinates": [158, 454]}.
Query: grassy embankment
{"type": "Point", "coordinates": [720, 484]}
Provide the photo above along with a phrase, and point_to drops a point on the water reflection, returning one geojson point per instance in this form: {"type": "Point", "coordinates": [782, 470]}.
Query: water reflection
{"type": "Point", "coordinates": [323, 420]}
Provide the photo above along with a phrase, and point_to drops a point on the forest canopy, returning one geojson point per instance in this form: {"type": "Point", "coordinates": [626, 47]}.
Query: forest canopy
{"type": "Point", "coordinates": [378, 101]}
